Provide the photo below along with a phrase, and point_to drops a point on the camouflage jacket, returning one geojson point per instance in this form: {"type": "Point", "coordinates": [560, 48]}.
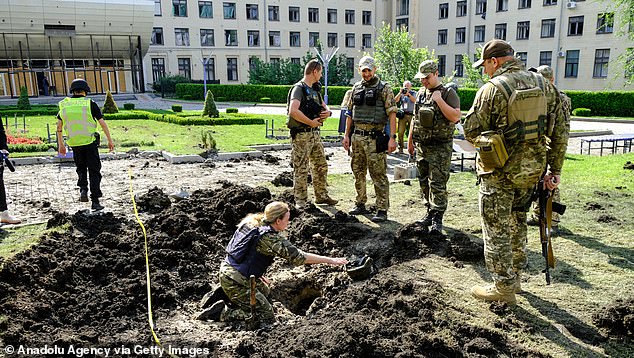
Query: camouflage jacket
{"type": "Point", "coordinates": [559, 132]}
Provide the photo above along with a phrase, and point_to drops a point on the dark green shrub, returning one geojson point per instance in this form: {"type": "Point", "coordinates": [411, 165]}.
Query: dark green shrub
{"type": "Point", "coordinates": [30, 148]}
{"type": "Point", "coordinates": [221, 99]}
{"type": "Point", "coordinates": [210, 109]}
{"type": "Point", "coordinates": [177, 108]}
{"type": "Point", "coordinates": [109, 105]}
{"type": "Point", "coordinates": [265, 99]}
{"type": "Point", "coordinates": [581, 112]}
{"type": "Point", "coordinates": [168, 84]}
{"type": "Point", "coordinates": [231, 110]}
{"type": "Point", "coordinates": [128, 106]}
{"type": "Point", "coordinates": [23, 101]}
{"type": "Point", "coordinates": [188, 97]}
{"type": "Point", "coordinates": [136, 144]}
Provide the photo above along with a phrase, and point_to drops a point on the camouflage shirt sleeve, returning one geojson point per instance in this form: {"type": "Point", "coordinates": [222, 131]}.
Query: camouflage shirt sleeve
{"type": "Point", "coordinates": [486, 113]}
{"type": "Point", "coordinates": [560, 132]}
{"type": "Point", "coordinates": [274, 244]}
{"type": "Point", "coordinates": [388, 99]}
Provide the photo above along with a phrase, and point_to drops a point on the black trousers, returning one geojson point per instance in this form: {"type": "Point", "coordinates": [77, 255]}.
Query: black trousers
{"type": "Point", "coordinates": [3, 194]}
{"type": "Point", "coordinates": [87, 160]}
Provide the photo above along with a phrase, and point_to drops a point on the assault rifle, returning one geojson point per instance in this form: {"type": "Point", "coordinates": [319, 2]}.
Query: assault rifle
{"type": "Point", "coordinates": [546, 209]}
{"type": "Point", "coordinates": [7, 162]}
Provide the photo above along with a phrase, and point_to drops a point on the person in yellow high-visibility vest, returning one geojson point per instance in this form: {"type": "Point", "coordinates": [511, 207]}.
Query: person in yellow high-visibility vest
{"type": "Point", "coordinates": [78, 117]}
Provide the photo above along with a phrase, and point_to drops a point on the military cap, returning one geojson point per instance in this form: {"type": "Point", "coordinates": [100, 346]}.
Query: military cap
{"type": "Point", "coordinates": [543, 70]}
{"type": "Point", "coordinates": [426, 68]}
{"type": "Point", "coordinates": [494, 48]}
{"type": "Point", "coordinates": [366, 62]}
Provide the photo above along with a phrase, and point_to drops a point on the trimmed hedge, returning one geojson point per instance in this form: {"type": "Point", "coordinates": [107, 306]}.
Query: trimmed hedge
{"type": "Point", "coordinates": [187, 120]}
{"type": "Point", "coordinates": [30, 148]}
{"type": "Point", "coordinates": [231, 110]}
{"type": "Point", "coordinates": [581, 112]}
{"type": "Point", "coordinates": [177, 108]}
{"type": "Point", "coordinates": [128, 106]}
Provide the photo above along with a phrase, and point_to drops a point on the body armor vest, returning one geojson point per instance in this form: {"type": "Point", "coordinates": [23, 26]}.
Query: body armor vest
{"type": "Point", "coordinates": [242, 253]}
{"type": "Point", "coordinates": [78, 121]}
{"type": "Point", "coordinates": [367, 104]}
{"type": "Point", "coordinates": [430, 125]}
{"type": "Point", "coordinates": [310, 105]}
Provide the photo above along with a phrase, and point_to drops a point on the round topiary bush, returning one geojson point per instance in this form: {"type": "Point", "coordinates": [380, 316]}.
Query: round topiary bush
{"type": "Point", "coordinates": [128, 106]}
{"type": "Point", "coordinates": [177, 108]}
{"type": "Point", "coordinates": [232, 110]}
{"type": "Point", "coordinates": [581, 112]}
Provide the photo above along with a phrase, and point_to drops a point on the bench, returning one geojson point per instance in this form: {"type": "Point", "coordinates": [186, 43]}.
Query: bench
{"type": "Point", "coordinates": [611, 143]}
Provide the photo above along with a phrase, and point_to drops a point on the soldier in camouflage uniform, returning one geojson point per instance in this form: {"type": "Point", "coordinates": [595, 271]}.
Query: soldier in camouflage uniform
{"type": "Point", "coordinates": [505, 191]}
{"type": "Point", "coordinates": [372, 104]}
{"type": "Point", "coordinates": [431, 135]}
{"type": "Point", "coordinates": [563, 108]}
{"type": "Point", "coordinates": [306, 114]}
{"type": "Point", "coordinates": [234, 275]}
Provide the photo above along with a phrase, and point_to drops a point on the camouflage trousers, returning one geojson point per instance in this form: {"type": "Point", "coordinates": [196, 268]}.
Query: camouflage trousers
{"type": "Point", "coordinates": [308, 150]}
{"type": "Point", "coordinates": [434, 164]}
{"type": "Point", "coordinates": [503, 229]}
{"type": "Point", "coordinates": [403, 125]}
{"type": "Point", "coordinates": [364, 159]}
{"type": "Point", "coordinates": [237, 288]}
{"type": "Point", "coordinates": [555, 216]}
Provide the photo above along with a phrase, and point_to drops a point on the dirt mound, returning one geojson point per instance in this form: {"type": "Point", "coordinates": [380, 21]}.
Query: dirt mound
{"type": "Point", "coordinates": [283, 179]}
{"type": "Point", "coordinates": [86, 286]}
{"type": "Point", "coordinates": [154, 201]}
{"type": "Point", "coordinates": [617, 319]}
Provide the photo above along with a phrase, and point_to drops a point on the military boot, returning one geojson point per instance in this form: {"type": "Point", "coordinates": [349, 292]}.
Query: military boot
{"type": "Point", "coordinates": [491, 293]}
{"type": "Point", "coordinates": [95, 205]}
{"type": "Point", "coordinates": [216, 294]}
{"type": "Point", "coordinates": [436, 222]}
{"type": "Point", "coordinates": [83, 195]}
{"type": "Point", "coordinates": [426, 220]}
{"type": "Point", "coordinates": [212, 313]}
{"type": "Point", "coordinates": [326, 200]}
{"type": "Point", "coordinates": [380, 216]}
{"type": "Point", "coordinates": [358, 210]}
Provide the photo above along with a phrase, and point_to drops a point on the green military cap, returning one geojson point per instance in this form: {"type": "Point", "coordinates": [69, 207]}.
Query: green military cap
{"type": "Point", "coordinates": [544, 70]}
{"type": "Point", "coordinates": [366, 62]}
{"type": "Point", "coordinates": [494, 48]}
{"type": "Point", "coordinates": [426, 68]}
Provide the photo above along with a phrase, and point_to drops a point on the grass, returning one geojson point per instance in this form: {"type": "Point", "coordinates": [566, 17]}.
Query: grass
{"type": "Point", "coordinates": [18, 239]}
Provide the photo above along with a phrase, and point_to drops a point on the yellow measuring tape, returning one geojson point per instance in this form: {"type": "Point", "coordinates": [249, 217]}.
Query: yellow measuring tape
{"type": "Point", "coordinates": [147, 271]}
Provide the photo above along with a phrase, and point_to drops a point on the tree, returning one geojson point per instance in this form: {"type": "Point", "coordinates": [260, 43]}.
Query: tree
{"type": "Point", "coordinates": [282, 72]}
{"type": "Point", "coordinates": [23, 101]}
{"type": "Point", "coordinates": [109, 105]}
{"type": "Point", "coordinates": [626, 10]}
{"type": "Point", "coordinates": [396, 58]}
{"type": "Point", "coordinates": [339, 74]}
{"type": "Point", "coordinates": [210, 106]}
{"type": "Point", "coordinates": [473, 77]}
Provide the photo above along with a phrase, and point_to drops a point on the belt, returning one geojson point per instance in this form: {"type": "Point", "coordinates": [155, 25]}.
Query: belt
{"type": "Point", "coordinates": [365, 133]}
{"type": "Point", "coordinates": [304, 130]}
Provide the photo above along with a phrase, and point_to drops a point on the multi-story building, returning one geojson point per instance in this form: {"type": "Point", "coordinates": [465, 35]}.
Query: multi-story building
{"type": "Point", "coordinates": [218, 39]}
{"type": "Point", "coordinates": [583, 41]}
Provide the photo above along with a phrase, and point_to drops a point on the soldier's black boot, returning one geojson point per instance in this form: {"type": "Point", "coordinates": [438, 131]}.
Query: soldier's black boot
{"type": "Point", "coordinates": [83, 195]}
{"type": "Point", "coordinates": [358, 210]}
{"type": "Point", "coordinates": [426, 220]}
{"type": "Point", "coordinates": [95, 205]}
{"type": "Point", "coordinates": [381, 216]}
{"type": "Point", "coordinates": [436, 222]}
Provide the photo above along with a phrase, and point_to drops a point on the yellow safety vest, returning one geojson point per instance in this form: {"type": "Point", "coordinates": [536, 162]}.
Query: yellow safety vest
{"type": "Point", "coordinates": [77, 120]}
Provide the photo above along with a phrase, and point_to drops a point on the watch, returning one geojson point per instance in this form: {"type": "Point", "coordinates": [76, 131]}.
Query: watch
{"type": "Point", "coordinates": [394, 136]}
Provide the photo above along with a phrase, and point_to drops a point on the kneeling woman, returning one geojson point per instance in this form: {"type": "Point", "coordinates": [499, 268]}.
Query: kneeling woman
{"type": "Point", "coordinates": [251, 251]}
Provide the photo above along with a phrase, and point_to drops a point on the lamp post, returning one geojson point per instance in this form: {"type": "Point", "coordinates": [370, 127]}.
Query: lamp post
{"type": "Point", "coordinates": [205, 60]}
{"type": "Point", "coordinates": [325, 59]}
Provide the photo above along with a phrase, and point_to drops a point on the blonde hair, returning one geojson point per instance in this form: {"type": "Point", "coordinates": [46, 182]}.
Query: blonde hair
{"type": "Point", "coordinates": [272, 212]}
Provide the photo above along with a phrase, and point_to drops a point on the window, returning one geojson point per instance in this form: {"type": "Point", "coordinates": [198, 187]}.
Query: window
{"type": "Point", "coordinates": [179, 8]}
{"type": "Point", "coordinates": [293, 14]}
{"type": "Point", "coordinates": [157, 12]}
{"type": "Point", "coordinates": [572, 63]}
{"type": "Point", "coordinates": [210, 69]}
{"type": "Point", "coordinates": [274, 13]}
{"type": "Point", "coordinates": [523, 30]}
{"type": "Point", "coordinates": [232, 69]}
{"type": "Point", "coordinates": [253, 38]}
{"type": "Point", "coordinates": [275, 39]}
{"type": "Point", "coordinates": [545, 58]}
{"type": "Point", "coordinates": [182, 37]}
{"type": "Point", "coordinates": [461, 35]}
{"type": "Point", "coordinates": [296, 60]}
{"type": "Point", "coordinates": [231, 37]}
{"type": "Point", "coordinates": [442, 37]}
{"type": "Point", "coordinates": [207, 37]}
{"type": "Point", "coordinates": [605, 23]}
{"type": "Point", "coordinates": [629, 62]}
{"type": "Point", "coordinates": [366, 18]}
{"type": "Point", "coordinates": [252, 12]}
{"type": "Point", "coordinates": [575, 26]}
{"type": "Point", "coordinates": [550, 2]}
{"type": "Point", "coordinates": [367, 40]}
{"type": "Point", "coordinates": [481, 7]}
{"type": "Point", "coordinates": [253, 63]}
{"type": "Point", "coordinates": [601, 59]}
{"type": "Point", "coordinates": [502, 5]}
{"type": "Point", "coordinates": [349, 40]}
{"type": "Point", "coordinates": [185, 68]}
{"type": "Point", "coordinates": [294, 39]}
{"type": "Point", "coordinates": [158, 68]}
{"type": "Point", "coordinates": [402, 23]}
{"type": "Point", "coordinates": [205, 10]}
{"type": "Point", "coordinates": [459, 68]}
{"type": "Point", "coordinates": [350, 65]}
{"type": "Point", "coordinates": [229, 10]}
{"type": "Point", "coordinates": [275, 62]}
{"type": "Point", "coordinates": [461, 9]}
{"type": "Point", "coordinates": [402, 8]}
{"type": "Point", "coordinates": [524, 4]}
{"type": "Point", "coordinates": [478, 34]}
{"type": "Point", "coordinates": [332, 16]}
{"type": "Point", "coordinates": [500, 31]}
{"type": "Point", "coordinates": [332, 39]}
{"type": "Point", "coordinates": [442, 61]}
{"type": "Point", "coordinates": [548, 27]}
{"type": "Point", "coordinates": [313, 38]}
{"type": "Point", "coordinates": [523, 56]}
{"type": "Point", "coordinates": [350, 17]}
{"type": "Point", "coordinates": [443, 11]}
{"type": "Point", "coordinates": [313, 14]}
{"type": "Point", "coordinates": [157, 36]}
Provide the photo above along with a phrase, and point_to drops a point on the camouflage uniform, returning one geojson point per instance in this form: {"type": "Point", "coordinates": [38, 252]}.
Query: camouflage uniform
{"type": "Point", "coordinates": [236, 286]}
{"type": "Point", "coordinates": [505, 193]}
{"type": "Point", "coordinates": [364, 155]}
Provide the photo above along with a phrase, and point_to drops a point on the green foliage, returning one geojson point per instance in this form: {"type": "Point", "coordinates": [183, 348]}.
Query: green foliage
{"type": "Point", "coordinates": [177, 108]}
{"type": "Point", "coordinates": [187, 97]}
{"type": "Point", "coordinates": [128, 106]}
{"type": "Point", "coordinates": [136, 144]}
{"type": "Point", "coordinates": [208, 140]}
{"type": "Point", "coordinates": [473, 78]}
{"type": "Point", "coordinates": [231, 110]}
{"type": "Point", "coordinates": [467, 95]}
{"type": "Point", "coordinates": [210, 109]}
{"type": "Point", "coordinates": [31, 148]}
{"type": "Point", "coordinates": [23, 101]}
{"type": "Point", "coordinates": [221, 99]}
{"type": "Point", "coordinates": [396, 58]}
{"type": "Point", "coordinates": [30, 112]}
{"type": "Point", "coordinates": [265, 100]}
{"type": "Point", "coordinates": [168, 84]}
{"type": "Point", "coordinates": [604, 103]}
{"type": "Point", "coordinates": [282, 72]}
{"type": "Point", "coordinates": [109, 105]}
{"type": "Point", "coordinates": [581, 112]}
{"type": "Point", "coordinates": [338, 72]}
